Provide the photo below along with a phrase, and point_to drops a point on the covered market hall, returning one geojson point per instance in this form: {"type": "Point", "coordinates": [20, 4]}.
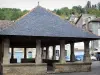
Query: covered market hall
{"type": "Point", "coordinates": [41, 28]}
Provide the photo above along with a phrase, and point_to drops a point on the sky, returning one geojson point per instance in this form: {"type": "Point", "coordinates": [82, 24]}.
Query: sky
{"type": "Point", "coordinates": [49, 4]}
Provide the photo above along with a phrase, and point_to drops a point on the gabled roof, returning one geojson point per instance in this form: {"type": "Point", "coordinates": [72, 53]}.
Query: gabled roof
{"type": "Point", "coordinates": [40, 22]}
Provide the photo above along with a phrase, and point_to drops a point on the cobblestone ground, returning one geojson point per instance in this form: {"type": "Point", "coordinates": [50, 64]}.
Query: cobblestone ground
{"type": "Point", "coordinates": [95, 70]}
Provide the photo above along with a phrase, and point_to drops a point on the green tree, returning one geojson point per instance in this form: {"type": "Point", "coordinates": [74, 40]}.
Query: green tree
{"type": "Point", "coordinates": [65, 12]}
{"type": "Point", "coordinates": [98, 5]}
{"type": "Point", "coordinates": [59, 12]}
{"type": "Point", "coordinates": [16, 14]}
{"type": "Point", "coordinates": [88, 5]}
{"type": "Point", "coordinates": [94, 12]}
{"type": "Point", "coordinates": [1, 14]}
{"type": "Point", "coordinates": [94, 6]}
{"type": "Point", "coordinates": [11, 13]}
{"type": "Point", "coordinates": [77, 9]}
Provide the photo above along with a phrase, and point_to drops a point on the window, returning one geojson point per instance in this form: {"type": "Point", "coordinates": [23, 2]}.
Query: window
{"type": "Point", "coordinates": [57, 52]}
{"type": "Point", "coordinates": [29, 54]}
{"type": "Point", "coordinates": [89, 19]}
{"type": "Point", "coordinates": [65, 52]}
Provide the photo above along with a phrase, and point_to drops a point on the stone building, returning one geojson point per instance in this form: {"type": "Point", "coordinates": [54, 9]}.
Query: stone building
{"type": "Point", "coordinates": [41, 29]}
{"type": "Point", "coordinates": [82, 23]}
{"type": "Point", "coordinates": [83, 20]}
{"type": "Point", "coordinates": [94, 27]}
{"type": "Point", "coordinates": [73, 19]}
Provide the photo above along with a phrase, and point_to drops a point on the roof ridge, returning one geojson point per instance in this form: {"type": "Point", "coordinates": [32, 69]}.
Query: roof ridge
{"type": "Point", "coordinates": [26, 13]}
{"type": "Point", "coordinates": [42, 8]}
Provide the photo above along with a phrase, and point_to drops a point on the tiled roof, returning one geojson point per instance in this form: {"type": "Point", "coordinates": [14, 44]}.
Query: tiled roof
{"type": "Point", "coordinates": [5, 24]}
{"type": "Point", "coordinates": [40, 22]}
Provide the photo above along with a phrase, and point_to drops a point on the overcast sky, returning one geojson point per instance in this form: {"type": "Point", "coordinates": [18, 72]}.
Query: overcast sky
{"type": "Point", "coordinates": [49, 4]}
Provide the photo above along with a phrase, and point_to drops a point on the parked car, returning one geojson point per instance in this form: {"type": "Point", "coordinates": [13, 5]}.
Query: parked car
{"type": "Point", "coordinates": [98, 56]}
{"type": "Point", "coordinates": [93, 58]}
{"type": "Point", "coordinates": [79, 57]}
{"type": "Point", "coordinates": [67, 58]}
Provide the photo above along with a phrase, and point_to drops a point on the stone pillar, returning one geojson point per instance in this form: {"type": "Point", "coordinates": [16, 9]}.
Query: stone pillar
{"type": "Point", "coordinates": [86, 52]}
{"type": "Point", "coordinates": [6, 58]}
{"type": "Point", "coordinates": [47, 52]}
{"type": "Point", "coordinates": [12, 53]}
{"type": "Point", "coordinates": [25, 53]}
{"type": "Point", "coordinates": [62, 52]}
{"type": "Point", "coordinates": [1, 52]}
{"type": "Point", "coordinates": [54, 53]}
{"type": "Point", "coordinates": [72, 56]}
{"type": "Point", "coordinates": [1, 58]}
{"type": "Point", "coordinates": [38, 59]}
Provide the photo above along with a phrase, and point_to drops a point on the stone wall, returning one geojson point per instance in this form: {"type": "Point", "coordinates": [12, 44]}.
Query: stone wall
{"type": "Point", "coordinates": [41, 69]}
{"type": "Point", "coordinates": [24, 69]}
{"type": "Point", "coordinates": [72, 67]}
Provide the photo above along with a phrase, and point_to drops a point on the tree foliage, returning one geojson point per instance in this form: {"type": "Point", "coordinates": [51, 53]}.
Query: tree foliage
{"type": "Point", "coordinates": [98, 6]}
{"type": "Point", "coordinates": [88, 5]}
{"type": "Point", "coordinates": [11, 13]}
{"type": "Point", "coordinates": [77, 10]}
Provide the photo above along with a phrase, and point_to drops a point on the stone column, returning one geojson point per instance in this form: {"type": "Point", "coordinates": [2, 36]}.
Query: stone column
{"type": "Point", "coordinates": [47, 52]}
{"type": "Point", "coordinates": [1, 52]}
{"type": "Point", "coordinates": [62, 52]}
{"type": "Point", "coordinates": [6, 58]}
{"type": "Point", "coordinates": [86, 52]}
{"type": "Point", "coordinates": [12, 53]}
{"type": "Point", "coordinates": [38, 59]}
{"type": "Point", "coordinates": [54, 53]}
{"type": "Point", "coordinates": [72, 56]}
{"type": "Point", "coordinates": [25, 53]}
{"type": "Point", "coordinates": [1, 58]}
